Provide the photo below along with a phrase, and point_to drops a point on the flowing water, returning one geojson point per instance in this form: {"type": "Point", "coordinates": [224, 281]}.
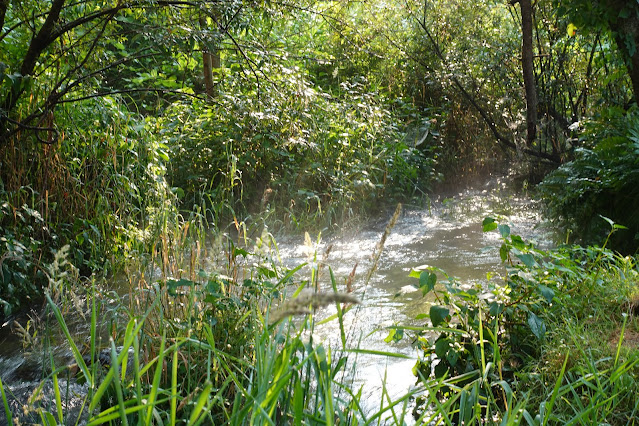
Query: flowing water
{"type": "Point", "coordinates": [447, 235]}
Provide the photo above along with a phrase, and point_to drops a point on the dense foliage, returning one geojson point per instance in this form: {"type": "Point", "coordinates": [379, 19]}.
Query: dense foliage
{"type": "Point", "coordinates": [134, 132]}
{"type": "Point", "coordinates": [528, 347]}
{"type": "Point", "coordinates": [117, 115]}
{"type": "Point", "coordinates": [110, 127]}
{"type": "Point", "coordinates": [601, 182]}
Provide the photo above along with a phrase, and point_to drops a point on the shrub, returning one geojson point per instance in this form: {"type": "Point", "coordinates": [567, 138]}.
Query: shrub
{"type": "Point", "coordinates": [603, 179]}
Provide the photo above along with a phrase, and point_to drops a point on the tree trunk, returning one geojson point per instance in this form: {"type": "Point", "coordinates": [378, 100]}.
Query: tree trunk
{"type": "Point", "coordinates": [40, 42]}
{"type": "Point", "coordinates": [4, 4]}
{"type": "Point", "coordinates": [210, 61]}
{"type": "Point", "coordinates": [528, 70]}
{"type": "Point", "coordinates": [626, 33]}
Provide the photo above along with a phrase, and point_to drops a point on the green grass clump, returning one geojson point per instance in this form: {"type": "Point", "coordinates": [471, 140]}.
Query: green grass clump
{"type": "Point", "coordinates": [198, 350]}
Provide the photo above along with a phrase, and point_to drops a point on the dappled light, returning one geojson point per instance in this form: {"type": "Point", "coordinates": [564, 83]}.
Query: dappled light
{"type": "Point", "coordinates": [386, 212]}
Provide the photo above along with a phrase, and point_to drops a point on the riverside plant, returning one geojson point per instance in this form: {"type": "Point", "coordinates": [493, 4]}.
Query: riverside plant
{"type": "Point", "coordinates": [183, 375]}
{"type": "Point", "coordinates": [268, 371]}
{"type": "Point", "coordinates": [535, 348]}
{"type": "Point", "coordinates": [200, 350]}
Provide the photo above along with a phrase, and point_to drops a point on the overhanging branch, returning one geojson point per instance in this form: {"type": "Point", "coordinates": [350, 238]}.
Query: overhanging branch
{"type": "Point", "coordinates": [473, 102]}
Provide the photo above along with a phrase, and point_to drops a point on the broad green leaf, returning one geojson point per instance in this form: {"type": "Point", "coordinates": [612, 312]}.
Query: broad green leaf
{"type": "Point", "coordinates": [503, 252]}
{"type": "Point", "coordinates": [527, 259]}
{"type": "Point", "coordinates": [438, 314]}
{"type": "Point", "coordinates": [547, 292]}
{"type": "Point", "coordinates": [415, 273]}
{"type": "Point", "coordinates": [173, 285]}
{"type": "Point", "coordinates": [427, 281]}
{"type": "Point", "coordinates": [518, 242]}
{"type": "Point", "coordinates": [441, 348]}
{"type": "Point", "coordinates": [488, 224]}
{"type": "Point", "coordinates": [536, 325]}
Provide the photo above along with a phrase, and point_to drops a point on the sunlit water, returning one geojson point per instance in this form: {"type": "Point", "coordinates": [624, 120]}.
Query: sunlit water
{"type": "Point", "coordinates": [447, 235]}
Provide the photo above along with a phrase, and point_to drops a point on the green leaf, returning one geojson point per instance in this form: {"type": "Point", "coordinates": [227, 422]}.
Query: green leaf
{"type": "Point", "coordinates": [427, 281]}
{"type": "Point", "coordinates": [240, 252]}
{"type": "Point", "coordinates": [394, 335]}
{"type": "Point", "coordinates": [173, 285]}
{"type": "Point", "coordinates": [610, 221]}
{"type": "Point", "coordinates": [440, 370]}
{"type": "Point", "coordinates": [504, 230]}
{"type": "Point", "coordinates": [488, 224]}
{"type": "Point", "coordinates": [452, 357]}
{"type": "Point", "coordinates": [527, 259]}
{"type": "Point", "coordinates": [495, 308]}
{"type": "Point", "coordinates": [503, 252]}
{"type": "Point", "coordinates": [518, 242]}
{"type": "Point", "coordinates": [547, 292]}
{"type": "Point", "coordinates": [536, 325]}
{"type": "Point", "coordinates": [441, 348]}
{"type": "Point", "coordinates": [201, 402]}
{"type": "Point", "coordinates": [438, 314]}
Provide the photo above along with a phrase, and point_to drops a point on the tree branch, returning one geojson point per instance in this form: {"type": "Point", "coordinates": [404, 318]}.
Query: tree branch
{"type": "Point", "coordinates": [117, 92]}
{"type": "Point", "coordinates": [482, 112]}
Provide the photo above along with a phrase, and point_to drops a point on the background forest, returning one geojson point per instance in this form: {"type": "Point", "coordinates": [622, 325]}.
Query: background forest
{"type": "Point", "coordinates": [130, 128]}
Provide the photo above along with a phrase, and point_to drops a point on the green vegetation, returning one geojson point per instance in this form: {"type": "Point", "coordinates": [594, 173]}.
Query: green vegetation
{"type": "Point", "coordinates": [528, 347]}
{"type": "Point", "coordinates": [602, 180]}
{"type": "Point", "coordinates": [208, 350]}
{"type": "Point", "coordinates": [137, 136]}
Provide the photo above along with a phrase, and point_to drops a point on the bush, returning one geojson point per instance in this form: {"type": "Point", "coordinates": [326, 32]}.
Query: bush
{"type": "Point", "coordinates": [602, 180]}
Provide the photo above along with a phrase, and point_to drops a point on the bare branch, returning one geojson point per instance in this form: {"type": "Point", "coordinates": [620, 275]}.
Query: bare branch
{"type": "Point", "coordinates": [37, 130]}
{"type": "Point", "coordinates": [117, 92]}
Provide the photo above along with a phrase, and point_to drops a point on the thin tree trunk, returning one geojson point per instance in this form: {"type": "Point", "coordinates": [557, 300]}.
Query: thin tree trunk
{"type": "Point", "coordinates": [4, 4]}
{"type": "Point", "coordinates": [528, 69]}
{"type": "Point", "coordinates": [210, 61]}
{"type": "Point", "coordinates": [40, 42]}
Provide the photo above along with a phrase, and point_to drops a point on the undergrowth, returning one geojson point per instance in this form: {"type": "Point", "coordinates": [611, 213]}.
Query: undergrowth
{"type": "Point", "coordinates": [552, 341]}
{"type": "Point", "coordinates": [601, 180]}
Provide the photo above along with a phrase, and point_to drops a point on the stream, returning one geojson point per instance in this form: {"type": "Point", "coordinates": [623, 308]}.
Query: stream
{"type": "Point", "coordinates": [446, 235]}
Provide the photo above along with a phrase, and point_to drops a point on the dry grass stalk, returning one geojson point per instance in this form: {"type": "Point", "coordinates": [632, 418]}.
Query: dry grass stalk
{"type": "Point", "coordinates": [380, 246]}
{"type": "Point", "coordinates": [349, 280]}
{"type": "Point", "coordinates": [321, 265]}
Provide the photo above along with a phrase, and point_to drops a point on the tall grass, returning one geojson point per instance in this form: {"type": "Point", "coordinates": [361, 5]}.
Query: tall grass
{"type": "Point", "coordinates": [210, 348]}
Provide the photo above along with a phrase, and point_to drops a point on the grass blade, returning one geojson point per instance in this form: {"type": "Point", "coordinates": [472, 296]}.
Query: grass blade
{"type": "Point", "coordinates": [5, 402]}
{"type": "Point", "coordinates": [74, 349]}
{"type": "Point", "coordinates": [553, 397]}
